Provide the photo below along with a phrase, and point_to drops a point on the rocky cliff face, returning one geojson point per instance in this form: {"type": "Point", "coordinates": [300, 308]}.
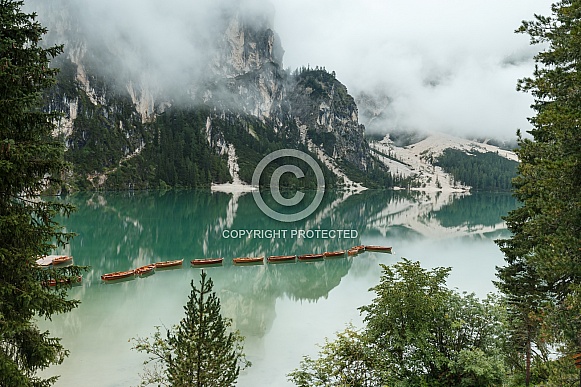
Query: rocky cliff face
{"type": "Point", "coordinates": [230, 86]}
{"type": "Point", "coordinates": [248, 61]}
{"type": "Point", "coordinates": [328, 116]}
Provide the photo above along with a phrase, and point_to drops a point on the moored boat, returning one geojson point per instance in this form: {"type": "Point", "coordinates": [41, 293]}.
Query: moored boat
{"type": "Point", "coordinates": [281, 258]}
{"type": "Point", "coordinates": [144, 270]}
{"type": "Point", "coordinates": [243, 260]}
{"type": "Point", "coordinates": [72, 280]}
{"type": "Point", "coordinates": [331, 254]}
{"type": "Point", "coordinates": [62, 259]}
{"type": "Point", "coordinates": [207, 261]}
{"type": "Point", "coordinates": [164, 264]}
{"type": "Point", "coordinates": [117, 275]}
{"type": "Point", "coordinates": [309, 257]}
{"type": "Point", "coordinates": [53, 259]}
{"type": "Point", "coordinates": [356, 250]}
{"type": "Point", "coordinates": [45, 260]}
{"type": "Point", "coordinates": [380, 249]}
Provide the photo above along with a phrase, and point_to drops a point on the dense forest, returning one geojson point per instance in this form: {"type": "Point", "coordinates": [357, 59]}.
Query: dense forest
{"type": "Point", "coordinates": [111, 148]}
{"type": "Point", "coordinates": [482, 171]}
{"type": "Point", "coordinates": [178, 154]}
{"type": "Point", "coordinates": [181, 152]}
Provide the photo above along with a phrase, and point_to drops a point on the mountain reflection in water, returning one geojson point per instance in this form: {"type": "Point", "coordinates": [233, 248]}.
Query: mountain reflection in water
{"type": "Point", "coordinates": [282, 309]}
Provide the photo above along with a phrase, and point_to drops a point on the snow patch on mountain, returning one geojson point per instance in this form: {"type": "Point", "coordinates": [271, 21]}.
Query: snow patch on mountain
{"type": "Point", "coordinates": [416, 160]}
{"type": "Point", "coordinates": [435, 144]}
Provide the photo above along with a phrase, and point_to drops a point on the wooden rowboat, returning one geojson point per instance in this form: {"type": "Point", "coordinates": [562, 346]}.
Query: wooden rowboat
{"type": "Point", "coordinates": [161, 265]}
{"type": "Point", "coordinates": [356, 250]}
{"type": "Point", "coordinates": [309, 257]}
{"type": "Point", "coordinates": [244, 260]}
{"type": "Point", "coordinates": [53, 259]}
{"type": "Point", "coordinates": [62, 259]}
{"type": "Point", "coordinates": [208, 261]}
{"type": "Point", "coordinates": [330, 254]}
{"type": "Point", "coordinates": [67, 281]}
{"type": "Point", "coordinates": [117, 275]}
{"type": "Point", "coordinates": [147, 269]}
{"type": "Point", "coordinates": [45, 260]}
{"type": "Point", "coordinates": [281, 258]}
{"type": "Point", "coordinates": [381, 249]}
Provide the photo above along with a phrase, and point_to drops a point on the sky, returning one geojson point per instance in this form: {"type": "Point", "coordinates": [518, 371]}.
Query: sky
{"type": "Point", "coordinates": [445, 65]}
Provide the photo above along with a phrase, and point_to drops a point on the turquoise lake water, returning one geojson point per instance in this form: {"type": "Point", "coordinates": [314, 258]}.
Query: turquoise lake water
{"type": "Point", "coordinates": [283, 310]}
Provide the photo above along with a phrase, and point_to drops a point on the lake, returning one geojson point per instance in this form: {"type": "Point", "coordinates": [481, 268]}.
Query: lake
{"type": "Point", "coordinates": [282, 309]}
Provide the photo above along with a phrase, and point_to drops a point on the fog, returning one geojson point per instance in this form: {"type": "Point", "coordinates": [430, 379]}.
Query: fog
{"type": "Point", "coordinates": [168, 46]}
{"type": "Point", "coordinates": [446, 65]}
{"type": "Point", "coordinates": [443, 65]}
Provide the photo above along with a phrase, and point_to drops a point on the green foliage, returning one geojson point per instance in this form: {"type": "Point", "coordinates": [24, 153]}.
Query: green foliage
{"type": "Point", "coordinates": [185, 146]}
{"type": "Point", "coordinates": [346, 361]}
{"type": "Point", "coordinates": [429, 332]}
{"type": "Point", "coordinates": [482, 171]}
{"type": "Point", "coordinates": [198, 351]}
{"type": "Point", "coordinates": [391, 156]}
{"type": "Point", "coordinates": [105, 129]}
{"type": "Point", "coordinates": [326, 139]}
{"type": "Point", "coordinates": [30, 160]}
{"type": "Point", "coordinates": [321, 84]}
{"type": "Point", "coordinates": [179, 151]}
{"type": "Point", "coordinates": [318, 80]}
{"type": "Point", "coordinates": [253, 140]}
{"type": "Point", "coordinates": [417, 333]}
{"type": "Point", "coordinates": [178, 154]}
{"type": "Point", "coordinates": [542, 275]}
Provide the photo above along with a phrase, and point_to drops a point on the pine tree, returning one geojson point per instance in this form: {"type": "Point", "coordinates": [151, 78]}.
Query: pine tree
{"type": "Point", "coordinates": [30, 161]}
{"type": "Point", "coordinates": [524, 301]}
{"type": "Point", "coordinates": [199, 352]}
{"type": "Point", "coordinates": [547, 228]}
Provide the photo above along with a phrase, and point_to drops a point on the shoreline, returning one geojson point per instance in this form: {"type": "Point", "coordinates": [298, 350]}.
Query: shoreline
{"type": "Point", "coordinates": [244, 188]}
{"type": "Point", "coordinates": [233, 188]}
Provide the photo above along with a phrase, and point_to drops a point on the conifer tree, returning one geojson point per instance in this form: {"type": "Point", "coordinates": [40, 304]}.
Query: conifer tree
{"type": "Point", "coordinates": [546, 230]}
{"type": "Point", "coordinates": [199, 351]}
{"type": "Point", "coordinates": [524, 293]}
{"type": "Point", "coordinates": [30, 160]}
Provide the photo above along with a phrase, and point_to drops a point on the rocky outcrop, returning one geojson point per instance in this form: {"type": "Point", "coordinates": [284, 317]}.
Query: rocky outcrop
{"type": "Point", "coordinates": [248, 65]}
{"type": "Point", "coordinates": [112, 93]}
{"type": "Point", "coordinates": [322, 104]}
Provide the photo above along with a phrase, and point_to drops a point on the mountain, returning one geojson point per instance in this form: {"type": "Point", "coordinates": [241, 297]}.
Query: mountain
{"type": "Point", "coordinates": [196, 95]}
{"type": "Point", "coordinates": [435, 161]}
{"type": "Point", "coordinates": [444, 162]}
{"type": "Point", "coordinates": [143, 110]}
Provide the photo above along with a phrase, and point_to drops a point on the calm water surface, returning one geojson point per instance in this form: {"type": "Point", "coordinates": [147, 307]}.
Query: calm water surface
{"type": "Point", "coordinates": [283, 310]}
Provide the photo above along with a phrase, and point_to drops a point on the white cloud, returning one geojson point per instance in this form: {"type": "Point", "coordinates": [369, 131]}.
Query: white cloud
{"type": "Point", "coordinates": [447, 65]}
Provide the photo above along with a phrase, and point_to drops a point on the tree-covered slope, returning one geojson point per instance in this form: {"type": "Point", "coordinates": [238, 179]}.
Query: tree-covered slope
{"type": "Point", "coordinates": [481, 171]}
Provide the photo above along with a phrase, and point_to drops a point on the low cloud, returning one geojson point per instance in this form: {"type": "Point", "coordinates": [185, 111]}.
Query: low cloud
{"type": "Point", "coordinates": [448, 66]}
{"type": "Point", "coordinates": [444, 65]}
{"type": "Point", "coordinates": [167, 45]}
